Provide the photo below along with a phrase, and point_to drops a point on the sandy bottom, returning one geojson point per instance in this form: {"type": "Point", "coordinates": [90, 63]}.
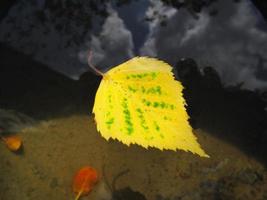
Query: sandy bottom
{"type": "Point", "coordinates": [55, 149]}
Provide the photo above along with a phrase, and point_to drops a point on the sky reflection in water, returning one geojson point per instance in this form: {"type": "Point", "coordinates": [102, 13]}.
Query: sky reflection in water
{"type": "Point", "coordinates": [234, 41]}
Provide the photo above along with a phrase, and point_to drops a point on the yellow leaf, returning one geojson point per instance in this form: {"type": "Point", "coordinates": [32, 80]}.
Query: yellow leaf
{"type": "Point", "coordinates": [140, 102]}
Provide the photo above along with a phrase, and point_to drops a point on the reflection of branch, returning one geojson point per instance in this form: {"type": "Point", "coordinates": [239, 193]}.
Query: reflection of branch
{"type": "Point", "coordinates": [113, 185]}
{"type": "Point", "coordinates": [105, 179]}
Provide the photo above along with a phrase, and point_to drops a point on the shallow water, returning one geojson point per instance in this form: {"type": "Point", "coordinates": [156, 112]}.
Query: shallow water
{"type": "Point", "coordinates": [55, 149]}
{"type": "Point", "coordinates": [224, 88]}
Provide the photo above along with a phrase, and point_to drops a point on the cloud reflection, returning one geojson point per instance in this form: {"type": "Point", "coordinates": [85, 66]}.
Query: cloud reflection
{"type": "Point", "coordinates": [234, 41]}
{"type": "Point", "coordinates": [231, 41]}
{"type": "Point", "coordinates": [113, 45]}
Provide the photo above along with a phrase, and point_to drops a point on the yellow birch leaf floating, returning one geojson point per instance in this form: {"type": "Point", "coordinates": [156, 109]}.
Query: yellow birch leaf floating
{"type": "Point", "coordinates": [140, 102]}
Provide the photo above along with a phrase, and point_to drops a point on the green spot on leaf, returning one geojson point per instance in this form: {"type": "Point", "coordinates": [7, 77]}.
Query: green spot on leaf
{"type": "Point", "coordinates": [155, 104]}
{"type": "Point", "coordinates": [153, 75]}
{"type": "Point", "coordinates": [158, 90]}
{"type": "Point", "coordinates": [162, 104]}
{"type": "Point", "coordinates": [132, 89]}
{"type": "Point", "coordinates": [110, 121]}
{"type": "Point", "coordinates": [142, 119]}
{"type": "Point", "coordinates": [143, 89]}
{"type": "Point", "coordinates": [127, 116]}
{"type": "Point", "coordinates": [156, 126]}
{"type": "Point", "coordinates": [129, 130]}
{"type": "Point", "coordinates": [109, 98]}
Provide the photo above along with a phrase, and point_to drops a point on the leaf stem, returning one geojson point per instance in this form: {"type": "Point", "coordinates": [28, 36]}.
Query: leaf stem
{"type": "Point", "coordinates": [79, 194]}
{"type": "Point", "coordinates": [89, 60]}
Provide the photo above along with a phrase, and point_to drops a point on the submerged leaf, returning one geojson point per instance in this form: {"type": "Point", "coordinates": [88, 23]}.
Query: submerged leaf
{"type": "Point", "coordinates": [140, 102]}
{"type": "Point", "coordinates": [12, 142]}
{"type": "Point", "coordinates": [83, 181]}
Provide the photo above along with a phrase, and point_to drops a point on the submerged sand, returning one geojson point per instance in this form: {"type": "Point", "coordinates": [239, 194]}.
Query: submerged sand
{"type": "Point", "coordinates": [55, 149]}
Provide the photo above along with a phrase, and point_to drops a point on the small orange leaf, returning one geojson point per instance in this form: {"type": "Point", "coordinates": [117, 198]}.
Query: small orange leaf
{"type": "Point", "coordinates": [84, 180]}
{"type": "Point", "coordinates": [12, 142]}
